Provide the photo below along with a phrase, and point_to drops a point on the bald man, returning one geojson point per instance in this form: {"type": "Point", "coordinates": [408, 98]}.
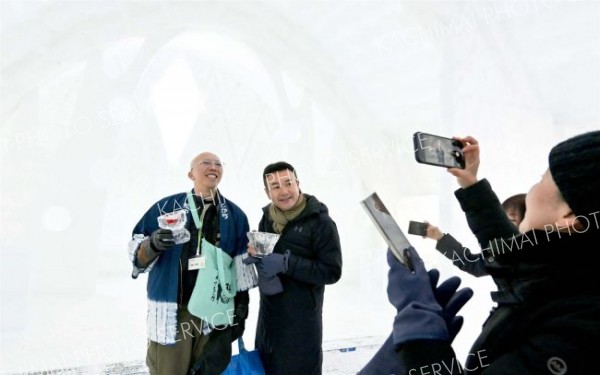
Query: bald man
{"type": "Point", "coordinates": [179, 342]}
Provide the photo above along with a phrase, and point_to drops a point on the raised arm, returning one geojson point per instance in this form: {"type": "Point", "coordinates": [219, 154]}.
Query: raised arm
{"type": "Point", "coordinates": [483, 210]}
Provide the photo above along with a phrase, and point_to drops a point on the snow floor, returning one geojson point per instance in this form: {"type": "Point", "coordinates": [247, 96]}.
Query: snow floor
{"type": "Point", "coordinates": [103, 331]}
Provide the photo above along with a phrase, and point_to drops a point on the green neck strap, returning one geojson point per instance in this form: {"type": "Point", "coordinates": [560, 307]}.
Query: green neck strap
{"type": "Point", "coordinates": [194, 209]}
{"type": "Point", "coordinates": [197, 219]}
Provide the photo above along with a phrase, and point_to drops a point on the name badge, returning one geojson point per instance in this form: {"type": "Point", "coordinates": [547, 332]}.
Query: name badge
{"type": "Point", "coordinates": [196, 263]}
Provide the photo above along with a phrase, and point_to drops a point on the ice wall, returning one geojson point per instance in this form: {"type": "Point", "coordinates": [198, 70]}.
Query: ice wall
{"type": "Point", "coordinates": [103, 104]}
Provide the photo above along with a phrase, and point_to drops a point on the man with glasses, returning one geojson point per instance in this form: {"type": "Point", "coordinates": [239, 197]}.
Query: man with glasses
{"type": "Point", "coordinates": [165, 244]}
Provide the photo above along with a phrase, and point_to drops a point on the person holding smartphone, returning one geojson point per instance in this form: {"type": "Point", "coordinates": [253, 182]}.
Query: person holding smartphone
{"type": "Point", "coordinates": [461, 257]}
{"type": "Point", "coordinates": [548, 311]}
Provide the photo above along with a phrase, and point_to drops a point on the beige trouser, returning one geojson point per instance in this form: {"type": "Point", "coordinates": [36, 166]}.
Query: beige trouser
{"type": "Point", "coordinates": [177, 359]}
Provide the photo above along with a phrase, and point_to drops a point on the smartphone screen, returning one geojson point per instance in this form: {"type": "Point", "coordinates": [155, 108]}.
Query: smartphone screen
{"type": "Point", "coordinates": [417, 228]}
{"type": "Point", "coordinates": [439, 151]}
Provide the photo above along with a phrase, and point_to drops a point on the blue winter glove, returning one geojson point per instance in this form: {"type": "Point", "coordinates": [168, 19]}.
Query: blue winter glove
{"type": "Point", "coordinates": [420, 316]}
{"type": "Point", "coordinates": [270, 287]}
{"type": "Point", "coordinates": [387, 360]}
{"type": "Point", "coordinates": [273, 264]}
{"type": "Point", "coordinates": [251, 260]}
{"type": "Point", "coordinates": [268, 267]}
{"type": "Point", "coordinates": [450, 300]}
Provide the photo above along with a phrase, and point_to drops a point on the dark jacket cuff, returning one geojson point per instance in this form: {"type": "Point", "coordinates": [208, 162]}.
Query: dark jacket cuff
{"type": "Point", "coordinates": [448, 243]}
{"type": "Point", "coordinates": [429, 355]}
{"type": "Point", "coordinates": [476, 196]}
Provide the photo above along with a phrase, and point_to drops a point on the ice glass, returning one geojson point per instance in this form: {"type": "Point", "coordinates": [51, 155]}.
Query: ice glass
{"type": "Point", "coordinates": [175, 221]}
{"type": "Point", "coordinates": [263, 242]}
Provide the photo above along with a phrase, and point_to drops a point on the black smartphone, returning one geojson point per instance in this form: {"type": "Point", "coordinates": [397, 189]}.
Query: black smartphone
{"type": "Point", "coordinates": [417, 228]}
{"type": "Point", "coordinates": [439, 151]}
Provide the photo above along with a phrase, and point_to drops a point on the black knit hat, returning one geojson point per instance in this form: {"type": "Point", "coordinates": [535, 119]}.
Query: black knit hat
{"type": "Point", "coordinates": [575, 167]}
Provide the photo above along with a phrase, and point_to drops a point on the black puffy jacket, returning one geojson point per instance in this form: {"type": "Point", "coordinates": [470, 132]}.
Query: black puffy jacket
{"type": "Point", "coordinates": [290, 328]}
{"type": "Point", "coordinates": [548, 312]}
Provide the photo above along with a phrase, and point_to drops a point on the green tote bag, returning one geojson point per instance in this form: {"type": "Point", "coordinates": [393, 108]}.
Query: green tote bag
{"type": "Point", "coordinates": [212, 299]}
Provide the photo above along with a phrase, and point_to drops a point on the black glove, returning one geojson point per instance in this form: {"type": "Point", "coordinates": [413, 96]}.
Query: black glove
{"type": "Point", "coordinates": [161, 240]}
{"type": "Point", "coordinates": [241, 313]}
{"type": "Point", "coordinates": [216, 354]}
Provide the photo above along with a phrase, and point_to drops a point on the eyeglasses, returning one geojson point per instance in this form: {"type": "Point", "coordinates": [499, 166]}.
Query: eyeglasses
{"type": "Point", "coordinates": [208, 163]}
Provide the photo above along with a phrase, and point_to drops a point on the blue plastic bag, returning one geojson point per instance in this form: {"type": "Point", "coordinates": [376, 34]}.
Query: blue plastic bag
{"type": "Point", "coordinates": [245, 363]}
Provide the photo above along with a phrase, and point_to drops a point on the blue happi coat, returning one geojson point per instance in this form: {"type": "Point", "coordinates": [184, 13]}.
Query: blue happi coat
{"type": "Point", "coordinates": [163, 279]}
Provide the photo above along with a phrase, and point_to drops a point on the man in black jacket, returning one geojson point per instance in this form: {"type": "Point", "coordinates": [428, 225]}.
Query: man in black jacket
{"type": "Point", "coordinates": [292, 279]}
{"type": "Point", "coordinates": [548, 300]}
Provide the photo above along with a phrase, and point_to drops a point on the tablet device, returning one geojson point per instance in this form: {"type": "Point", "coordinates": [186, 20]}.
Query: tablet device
{"type": "Point", "coordinates": [388, 228]}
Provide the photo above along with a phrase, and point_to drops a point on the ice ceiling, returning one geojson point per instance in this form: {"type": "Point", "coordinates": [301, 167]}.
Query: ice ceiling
{"type": "Point", "coordinates": [103, 104]}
